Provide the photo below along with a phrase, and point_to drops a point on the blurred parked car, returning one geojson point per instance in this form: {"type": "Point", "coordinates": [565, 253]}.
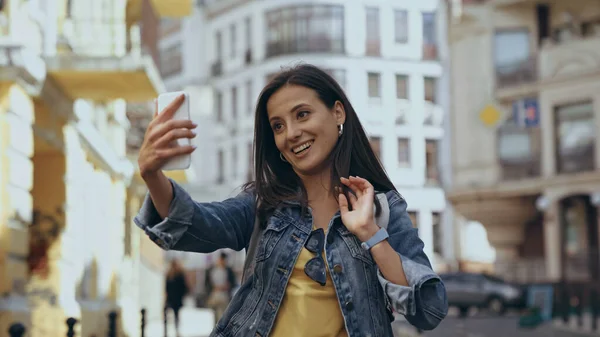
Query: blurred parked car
{"type": "Point", "coordinates": [466, 290]}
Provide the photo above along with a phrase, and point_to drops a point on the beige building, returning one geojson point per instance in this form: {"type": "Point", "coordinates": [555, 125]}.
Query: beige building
{"type": "Point", "coordinates": [68, 190]}
{"type": "Point", "coordinates": [525, 114]}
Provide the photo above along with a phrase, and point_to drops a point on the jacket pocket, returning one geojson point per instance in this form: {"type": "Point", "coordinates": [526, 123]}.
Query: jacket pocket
{"type": "Point", "coordinates": [270, 237]}
{"type": "Point", "coordinates": [354, 247]}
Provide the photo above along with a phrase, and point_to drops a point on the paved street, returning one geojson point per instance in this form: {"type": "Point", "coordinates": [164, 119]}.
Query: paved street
{"type": "Point", "coordinates": [484, 326]}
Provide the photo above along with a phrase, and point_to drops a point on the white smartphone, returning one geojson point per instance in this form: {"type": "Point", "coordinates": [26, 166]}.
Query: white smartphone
{"type": "Point", "coordinates": [181, 162]}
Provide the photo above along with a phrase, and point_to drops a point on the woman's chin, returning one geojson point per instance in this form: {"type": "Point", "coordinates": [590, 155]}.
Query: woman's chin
{"type": "Point", "coordinates": [307, 167]}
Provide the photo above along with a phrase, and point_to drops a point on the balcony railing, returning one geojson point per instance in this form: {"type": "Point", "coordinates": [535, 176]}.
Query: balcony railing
{"type": "Point", "coordinates": [521, 72]}
{"type": "Point", "coordinates": [526, 168]}
{"type": "Point", "coordinates": [312, 44]}
{"type": "Point", "coordinates": [106, 37]}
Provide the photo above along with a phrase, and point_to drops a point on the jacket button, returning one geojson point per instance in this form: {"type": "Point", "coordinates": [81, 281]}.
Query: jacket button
{"type": "Point", "coordinates": [349, 305]}
{"type": "Point", "coordinates": [337, 268]}
{"type": "Point", "coordinates": [329, 239]}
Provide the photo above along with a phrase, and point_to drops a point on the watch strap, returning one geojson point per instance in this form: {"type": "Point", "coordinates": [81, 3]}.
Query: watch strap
{"type": "Point", "coordinates": [381, 235]}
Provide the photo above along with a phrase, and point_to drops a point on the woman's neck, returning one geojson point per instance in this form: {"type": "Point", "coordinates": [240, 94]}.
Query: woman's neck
{"type": "Point", "coordinates": [318, 188]}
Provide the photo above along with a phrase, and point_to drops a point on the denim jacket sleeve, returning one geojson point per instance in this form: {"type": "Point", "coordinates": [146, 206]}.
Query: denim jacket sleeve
{"type": "Point", "coordinates": [423, 302]}
{"type": "Point", "coordinates": [199, 227]}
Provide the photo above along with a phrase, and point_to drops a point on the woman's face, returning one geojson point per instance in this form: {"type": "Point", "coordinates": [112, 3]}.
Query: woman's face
{"type": "Point", "coordinates": [305, 130]}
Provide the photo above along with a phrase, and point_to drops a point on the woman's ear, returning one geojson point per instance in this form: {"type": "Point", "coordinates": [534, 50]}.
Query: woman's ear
{"type": "Point", "coordinates": [340, 113]}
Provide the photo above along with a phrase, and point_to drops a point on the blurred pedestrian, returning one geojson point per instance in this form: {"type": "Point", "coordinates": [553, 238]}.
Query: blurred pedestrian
{"type": "Point", "coordinates": [220, 281]}
{"type": "Point", "coordinates": [176, 289]}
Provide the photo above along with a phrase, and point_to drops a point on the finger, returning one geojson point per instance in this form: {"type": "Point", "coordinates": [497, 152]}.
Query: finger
{"type": "Point", "coordinates": [163, 128]}
{"type": "Point", "coordinates": [170, 110]}
{"type": "Point", "coordinates": [362, 183]}
{"type": "Point", "coordinates": [173, 135]}
{"type": "Point", "coordinates": [352, 186]}
{"type": "Point", "coordinates": [165, 154]}
{"type": "Point", "coordinates": [343, 202]}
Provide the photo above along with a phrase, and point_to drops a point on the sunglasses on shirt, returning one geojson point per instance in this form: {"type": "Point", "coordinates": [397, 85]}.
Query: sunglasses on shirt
{"type": "Point", "coordinates": [315, 267]}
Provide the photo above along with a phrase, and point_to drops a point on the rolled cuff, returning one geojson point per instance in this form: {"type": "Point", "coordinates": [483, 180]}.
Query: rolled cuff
{"type": "Point", "coordinates": [402, 298]}
{"type": "Point", "coordinates": [166, 232]}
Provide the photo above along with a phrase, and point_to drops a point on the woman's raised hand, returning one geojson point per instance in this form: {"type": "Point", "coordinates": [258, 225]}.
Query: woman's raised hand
{"type": "Point", "coordinates": [159, 143]}
{"type": "Point", "coordinates": [360, 220]}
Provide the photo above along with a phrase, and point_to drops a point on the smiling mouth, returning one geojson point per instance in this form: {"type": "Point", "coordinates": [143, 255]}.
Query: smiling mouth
{"type": "Point", "coordinates": [302, 148]}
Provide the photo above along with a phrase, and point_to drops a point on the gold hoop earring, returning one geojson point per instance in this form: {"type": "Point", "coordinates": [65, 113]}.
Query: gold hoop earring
{"type": "Point", "coordinates": [282, 157]}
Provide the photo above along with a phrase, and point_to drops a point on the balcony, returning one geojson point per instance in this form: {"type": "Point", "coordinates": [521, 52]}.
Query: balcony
{"type": "Point", "coordinates": [524, 169]}
{"type": "Point", "coordinates": [517, 73]}
{"type": "Point", "coordinates": [570, 58]}
{"type": "Point", "coordinates": [103, 60]}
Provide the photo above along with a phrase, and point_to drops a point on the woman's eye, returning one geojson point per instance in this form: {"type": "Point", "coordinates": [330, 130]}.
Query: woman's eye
{"type": "Point", "coordinates": [302, 114]}
{"type": "Point", "coordinates": [277, 126]}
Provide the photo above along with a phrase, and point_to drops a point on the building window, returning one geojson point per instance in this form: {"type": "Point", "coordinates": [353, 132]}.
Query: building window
{"type": "Point", "coordinates": [430, 89]}
{"type": "Point", "coordinates": [437, 233]}
{"type": "Point", "coordinates": [234, 102]}
{"type": "Point", "coordinates": [575, 138]}
{"type": "Point", "coordinates": [401, 26]}
{"type": "Point", "coordinates": [249, 98]}
{"type": "Point", "coordinates": [401, 86]}
{"type": "Point", "coordinates": [305, 29]}
{"type": "Point", "coordinates": [431, 161]}
{"type": "Point", "coordinates": [221, 167]}
{"type": "Point", "coordinates": [250, 176]}
{"type": "Point", "coordinates": [404, 151]}
{"type": "Point", "coordinates": [414, 218]}
{"type": "Point", "coordinates": [248, 25]}
{"type": "Point", "coordinates": [233, 40]}
{"type": "Point", "coordinates": [219, 106]}
{"type": "Point", "coordinates": [429, 37]}
{"type": "Point", "coordinates": [376, 145]}
{"type": "Point", "coordinates": [219, 46]}
{"type": "Point", "coordinates": [234, 161]}
{"type": "Point", "coordinates": [513, 61]}
{"type": "Point", "coordinates": [374, 85]}
{"type": "Point", "coordinates": [170, 60]}
{"type": "Point", "coordinates": [373, 38]}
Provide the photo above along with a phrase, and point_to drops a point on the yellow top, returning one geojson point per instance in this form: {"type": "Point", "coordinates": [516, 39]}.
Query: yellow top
{"type": "Point", "coordinates": [307, 308]}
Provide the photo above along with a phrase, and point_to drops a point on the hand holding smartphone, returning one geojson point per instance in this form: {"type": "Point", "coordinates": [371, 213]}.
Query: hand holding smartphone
{"type": "Point", "coordinates": [184, 161]}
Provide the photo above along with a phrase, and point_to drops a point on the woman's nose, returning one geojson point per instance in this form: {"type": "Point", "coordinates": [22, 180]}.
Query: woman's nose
{"type": "Point", "coordinates": [293, 132]}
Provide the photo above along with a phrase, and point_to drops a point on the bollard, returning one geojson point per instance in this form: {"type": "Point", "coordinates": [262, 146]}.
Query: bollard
{"type": "Point", "coordinates": [143, 323]}
{"type": "Point", "coordinates": [71, 326]}
{"type": "Point", "coordinates": [112, 324]}
{"type": "Point", "coordinates": [16, 330]}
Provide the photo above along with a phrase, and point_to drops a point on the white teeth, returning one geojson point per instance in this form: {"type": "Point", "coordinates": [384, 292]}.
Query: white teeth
{"type": "Point", "coordinates": [302, 147]}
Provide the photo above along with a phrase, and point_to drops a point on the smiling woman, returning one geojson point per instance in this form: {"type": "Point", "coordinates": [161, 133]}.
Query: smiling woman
{"type": "Point", "coordinates": [323, 266]}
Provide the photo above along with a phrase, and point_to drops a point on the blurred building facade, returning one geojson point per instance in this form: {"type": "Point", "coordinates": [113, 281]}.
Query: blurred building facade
{"type": "Point", "coordinates": [68, 191]}
{"type": "Point", "coordinates": [525, 114]}
{"type": "Point", "coordinates": [389, 57]}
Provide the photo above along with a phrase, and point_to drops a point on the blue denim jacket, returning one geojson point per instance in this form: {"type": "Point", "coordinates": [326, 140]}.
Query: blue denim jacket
{"type": "Point", "coordinates": [364, 295]}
